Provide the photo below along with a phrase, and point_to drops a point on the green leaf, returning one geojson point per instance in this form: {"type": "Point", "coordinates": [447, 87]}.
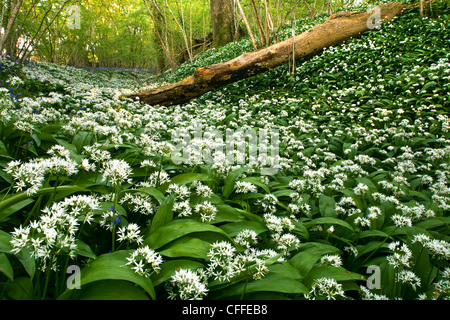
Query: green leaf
{"type": "Point", "coordinates": [326, 206]}
{"type": "Point", "coordinates": [337, 273]}
{"type": "Point", "coordinates": [185, 178]}
{"type": "Point", "coordinates": [169, 268]}
{"type": "Point", "coordinates": [187, 247]}
{"type": "Point", "coordinates": [151, 191]}
{"type": "Point", "coordinates": [15, 199]}
{"type": "Point", "coordinates": [230, 181]}
{"type": "Point", "coordinates": [21, 289]}
{"type": "Point", "coordinates": [112, 266]}
{"type": "Point", "coordinates": [164, 214]}
{"type": "Point", "coordinates": [257, 182]}
{"type": "Point", "coordinates": [84, 250]}
{"type": "Point", "coordinates": [177, 229]}
{"type": "Point", "coordinates": [5, 266]}
{"type": "Point", "coordinates": [109, 290]}
{"type": "Point", "coordinates": [328, 220]}
{"type": "Point", "coordinates": [232, 229]}
{"type": "Point", "coordinates": [272, 282]}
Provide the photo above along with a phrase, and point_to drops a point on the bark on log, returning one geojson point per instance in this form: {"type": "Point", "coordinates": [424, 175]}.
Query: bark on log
{"type": "Point", "coordinates": [335, 30]}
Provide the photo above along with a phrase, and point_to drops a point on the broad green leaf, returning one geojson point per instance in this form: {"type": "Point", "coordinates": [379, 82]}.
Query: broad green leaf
{"type": "Point", "coordinates": [187, 247]}
{"type": "Point", "coordinates": [169, 268]}
{"type": "Point", "coordinates": [328, 220]}
{"type": "Point", "coordinates": [22, 196]}
{"type": "Point", "coordinates": [164, 214]}
{"type": "Point", "coordinates": [271, 282]}
{"type": "Point", "coordinates": [177, 229]}
{"type": "Point", "coordinates": [5, 266]}
{"type": "Point", "coordinates": [84, 250]}
{"type": "Point", "coordinates": [109, 290]}
{"type": "Point", "coordinates": [20, 289]}
{"type": "Point", "coordinates": [257, 182]}
{"type": "Point", "coordinates": [24, 255]}
{"type": "Point", "coordinates": [326, 206]}
{"type": "Point", "coordinates": [112, 266]}
{"type": "Point", "coordinates": [337, 273]}
{"type": "Point", "coordinates": [230, 181]}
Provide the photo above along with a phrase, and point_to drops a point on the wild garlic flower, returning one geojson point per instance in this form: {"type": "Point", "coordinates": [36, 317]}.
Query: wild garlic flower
{"type": "Point", "coordinates": [139, 202]}
{"type": "Point", "coordinates": [332, 260]}
{"type": "Point", "coordinates": [181, 192]}
{"type": "Point", "coordinates": [439, 249]}
{"type": "Point", "coordinates": [222, 261]}
{"type": "Point", "coordinates": [206, 210]}
{"type": "Point", "coordinates": [286, 242]}
{"type": "Point", "coordinates": [245, 187]}
{"type": "Point", "coordinates": [276, 224]}
{"type": "Point", "coordinates": [201, 190]}
{"type": "Point", "coordinates": [53, 234]}
{"type": "Point", "coordinates": [186, 284]}
{"type": "Point", "coordinates": [183, 208]}
{"type": "Point", "coordinates": [144, 261]}
{"type": "Point", "coordinates": [327, 288]}
{"type": "Point", "coordinates": [401, 221]}
{"type": "Point", "coordinates": [409, 277]}
{"type": "Point", "coordinates": [401, 255]}
{"type": "Point", "coordinates": [246, 238]}
{"type": "Point", "coordinates": [130, 233]}
{"type": "Point", "coordinates": [116, 172]}
{"type": "Point", "coordinates": [347, 206]}
{"type": "Point", "coordinates": [268, 203]}
{"type": "Point", "coordinates": [366, 294]}
{"type": "Point", "coordinates": [361, 189]}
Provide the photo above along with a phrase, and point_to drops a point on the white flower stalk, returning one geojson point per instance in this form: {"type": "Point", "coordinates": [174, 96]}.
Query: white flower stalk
{"type": "Point", "coordinates": [183, 208]}
{"type": "Point", "coordinates": [206, 210]}
{"type": "Point", "coordinates": [52, 235]}
{"type": "Point", "coordinates": [222, 263]}
{"type": "Point", "coordinates": [332, 260]}
{"type": "Point", "coordinates": [401, 255]}
{"type": "Point", "coordinates": [409, 277]}
{"type": "Point", "coordinates": [326, 288]}
{"type": "Point", "coordinates": [246, 238]}
{"type": "Point", "coordinates": [439, 249]}
{"type": "Point", "coordinates": [186, 284]}
{"type": "Point", "coordinates": [116, 172]}
{"type": "Point", "coordinates": [245, 187]}
{"type": "Point", "coordinates": [144, 261]}
{"type": "Point", "coordinates": [130, 233]}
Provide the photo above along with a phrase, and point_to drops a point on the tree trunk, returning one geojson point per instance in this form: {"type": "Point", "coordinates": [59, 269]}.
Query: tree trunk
{"type": "Point", "coordinates": [338, 28]}
{"type": "Point", "coordinates": [11, 21]}
{"type": "Point", "coordinates": [222, 21]}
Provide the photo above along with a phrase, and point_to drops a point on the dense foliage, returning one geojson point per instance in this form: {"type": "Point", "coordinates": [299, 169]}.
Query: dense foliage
{"type": "Point", "coordinates": [363, 183]}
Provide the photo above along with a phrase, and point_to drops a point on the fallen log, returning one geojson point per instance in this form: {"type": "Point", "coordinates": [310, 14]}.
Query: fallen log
{"type": "Point", "coordinates": [335, 30]}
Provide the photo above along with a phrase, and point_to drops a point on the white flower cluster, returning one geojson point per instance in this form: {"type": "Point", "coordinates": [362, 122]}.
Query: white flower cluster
{"type": "Point", "coordinates": [31, 175]}
{"type": "Point", "coordinates": [327, 288]}
{"type": "Point", "coordinates": [145, 261]}
{"type": "Point", "coordinates": [186, 284]}
{"type": "Point", "coordinates": [401, 255]}
{"type": "Point", "coordinates": [54, 233]}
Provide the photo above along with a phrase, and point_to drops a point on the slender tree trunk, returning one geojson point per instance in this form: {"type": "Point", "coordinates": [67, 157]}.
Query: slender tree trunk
{"type": "Point", "coordinates": [337, 29]}
{"type": "Point", "coordinates": [11, 21]}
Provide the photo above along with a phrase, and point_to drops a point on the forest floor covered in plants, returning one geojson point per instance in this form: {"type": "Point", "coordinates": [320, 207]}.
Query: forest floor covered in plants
{"type": "Point", "coordinates": [358, 207]}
